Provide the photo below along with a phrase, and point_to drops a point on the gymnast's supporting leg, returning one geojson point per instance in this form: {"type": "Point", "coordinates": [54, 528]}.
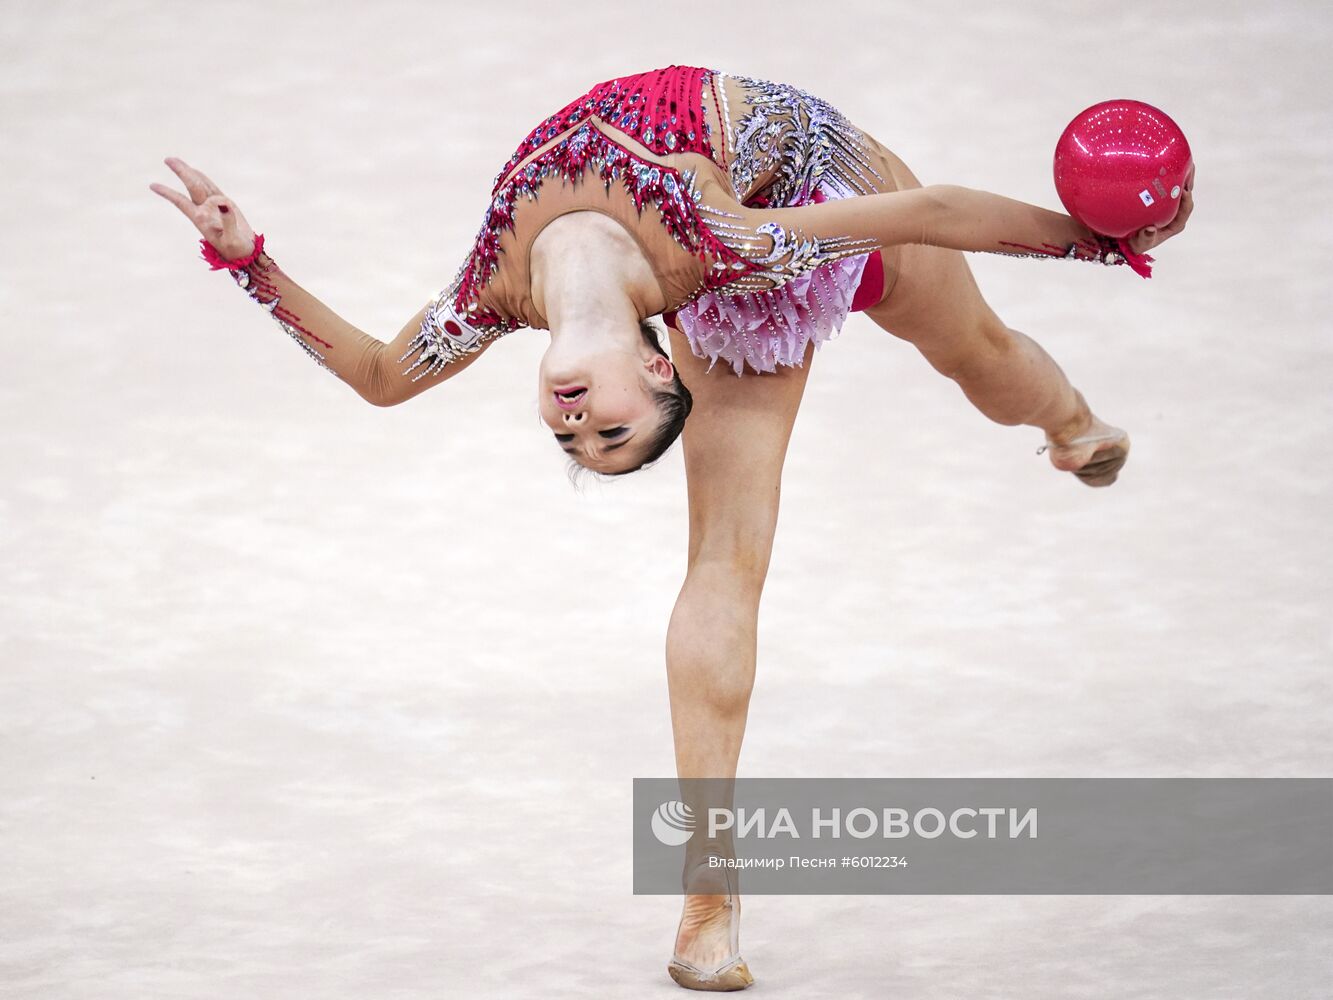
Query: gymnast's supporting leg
{"type": "Point", "coordinates": [735, 444]}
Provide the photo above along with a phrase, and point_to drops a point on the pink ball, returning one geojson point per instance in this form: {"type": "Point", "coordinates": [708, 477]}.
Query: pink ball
{"type": "Point", "coordinates": [1120, 166]}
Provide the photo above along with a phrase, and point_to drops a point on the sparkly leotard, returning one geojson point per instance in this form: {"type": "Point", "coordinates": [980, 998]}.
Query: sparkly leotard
{"type": "Point", "coordinates": [632, 148]}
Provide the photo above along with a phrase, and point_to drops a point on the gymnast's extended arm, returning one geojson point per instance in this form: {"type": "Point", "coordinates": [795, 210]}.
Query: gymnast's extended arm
{"type": "Point", "coordinates": [943, 215]}
{"type": "Point", "coordinates": [381, 373]}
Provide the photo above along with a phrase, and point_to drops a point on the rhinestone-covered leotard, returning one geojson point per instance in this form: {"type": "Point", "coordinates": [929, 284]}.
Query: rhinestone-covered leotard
{"type": "Point", "coordinates": [642, 138]}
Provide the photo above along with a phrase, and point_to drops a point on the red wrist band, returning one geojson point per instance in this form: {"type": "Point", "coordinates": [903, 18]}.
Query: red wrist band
{"type": "Point", "coordinates": [1139, 263]}
{"type": "Point", "coordinates": [216, 262]}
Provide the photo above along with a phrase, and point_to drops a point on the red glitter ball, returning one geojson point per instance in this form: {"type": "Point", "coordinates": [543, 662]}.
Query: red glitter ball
{"type": "Point", "coordinates": [1122, 165]}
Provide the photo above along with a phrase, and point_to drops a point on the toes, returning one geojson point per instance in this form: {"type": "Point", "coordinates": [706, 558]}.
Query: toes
{"type": "Point", "coordinates": [1104, 466]}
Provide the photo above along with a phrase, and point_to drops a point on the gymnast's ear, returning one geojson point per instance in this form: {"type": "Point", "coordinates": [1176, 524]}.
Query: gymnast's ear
{"type": "Point", "coordinates": [662, 367]}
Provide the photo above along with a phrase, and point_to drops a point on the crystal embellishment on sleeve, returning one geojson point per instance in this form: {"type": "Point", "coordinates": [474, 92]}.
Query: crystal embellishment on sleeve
{"type": "Point", "coordinates": [253, 281]}
{"type": "Point", "coordinates": [771, 255]}
{"type": "Point", "coordinates": [1102, 250]}
{"type": "Point", "coordinates": [446, 336]}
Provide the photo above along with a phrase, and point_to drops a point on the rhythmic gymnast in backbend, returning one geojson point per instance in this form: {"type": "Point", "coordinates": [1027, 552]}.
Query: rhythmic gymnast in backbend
{"type": "Point", "coordinates": [753, 217]}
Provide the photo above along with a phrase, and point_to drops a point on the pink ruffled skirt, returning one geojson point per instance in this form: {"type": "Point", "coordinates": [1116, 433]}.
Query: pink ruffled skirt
{"type": "Point", "coordinates": [773, 328]}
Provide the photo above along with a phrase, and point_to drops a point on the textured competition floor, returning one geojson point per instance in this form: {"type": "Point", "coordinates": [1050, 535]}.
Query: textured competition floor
{"type": "Point", "coordinates": [300, 697]}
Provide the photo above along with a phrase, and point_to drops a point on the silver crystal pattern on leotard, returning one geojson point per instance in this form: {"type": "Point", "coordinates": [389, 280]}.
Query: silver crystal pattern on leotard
{"type": "Point", "coordinates": [805, 143]}
{"type": "Point", "coordinates": [808, 140]}
{"type": "Point", "coordinates": [242, 278]}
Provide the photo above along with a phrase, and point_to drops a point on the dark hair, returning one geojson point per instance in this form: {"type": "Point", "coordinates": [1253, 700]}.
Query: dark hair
{"type": "Point", "coordinates": [673, 403]}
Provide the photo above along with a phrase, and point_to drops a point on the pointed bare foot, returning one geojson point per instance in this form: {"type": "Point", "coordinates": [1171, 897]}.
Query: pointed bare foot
{"type": "Point", "coordinates": [1095, 454]}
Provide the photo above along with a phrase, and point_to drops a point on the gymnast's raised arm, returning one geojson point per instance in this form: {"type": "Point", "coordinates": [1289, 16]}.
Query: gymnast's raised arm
{"type": "Point", "coordinates": [381, 373]}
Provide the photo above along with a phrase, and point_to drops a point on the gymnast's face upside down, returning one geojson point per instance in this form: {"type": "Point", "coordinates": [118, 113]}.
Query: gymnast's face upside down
{"type": "Point", "coordinates": [613, 408]}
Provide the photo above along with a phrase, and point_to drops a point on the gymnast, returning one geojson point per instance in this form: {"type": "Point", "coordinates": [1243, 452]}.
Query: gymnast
{"type": "Point", "coordinates": [752, 217]}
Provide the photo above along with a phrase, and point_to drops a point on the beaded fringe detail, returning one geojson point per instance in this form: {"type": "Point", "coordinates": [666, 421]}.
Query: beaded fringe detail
{"type": "Point", "coordinates": [767, 329]}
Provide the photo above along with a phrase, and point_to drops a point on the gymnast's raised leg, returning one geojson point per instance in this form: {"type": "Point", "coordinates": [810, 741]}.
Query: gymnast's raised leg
{"type": "Point", "coordinates": [932, 301]}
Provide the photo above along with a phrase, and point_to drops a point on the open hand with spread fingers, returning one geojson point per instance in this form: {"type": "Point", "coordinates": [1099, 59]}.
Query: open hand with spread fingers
{"type": "Point", "coordinates": [215, 215]}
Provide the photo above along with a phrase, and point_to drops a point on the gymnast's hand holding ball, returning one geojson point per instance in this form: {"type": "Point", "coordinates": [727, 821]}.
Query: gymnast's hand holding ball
{"type": "Point", "coordinates": [215, 215]}
{"type": "Point", "coordinates": [1124, 169]}
{"type": "Point", "coordinates": [1150, 236]}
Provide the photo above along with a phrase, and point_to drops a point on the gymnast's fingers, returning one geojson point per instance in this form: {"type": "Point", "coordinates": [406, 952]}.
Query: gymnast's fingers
{"type": "Point", "coordinates": [1186, 207]}
{"type": "Point", "coordinates": [175, 197]}
{"type": "Point", "coordinates": [199, 186]}
{"type": "Point", "coordinates": [1177, 224]}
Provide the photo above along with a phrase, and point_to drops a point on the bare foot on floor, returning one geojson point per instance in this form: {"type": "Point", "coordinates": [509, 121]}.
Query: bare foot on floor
{"type": "Point", "coordinates": [1096, 454]}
